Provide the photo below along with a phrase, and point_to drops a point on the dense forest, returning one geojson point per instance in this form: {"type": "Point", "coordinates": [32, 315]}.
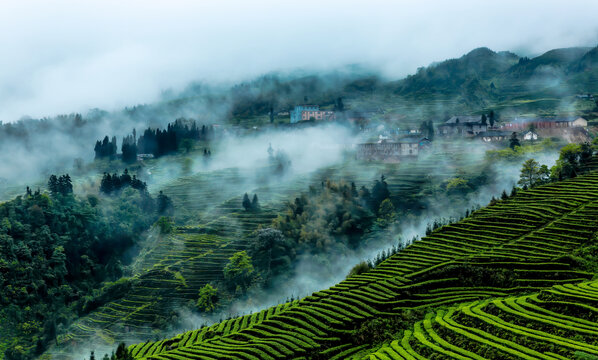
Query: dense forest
{"type": "Point", "coordinates": [57, 249]}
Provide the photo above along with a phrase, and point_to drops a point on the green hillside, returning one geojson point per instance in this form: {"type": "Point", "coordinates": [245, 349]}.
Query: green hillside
{"type": "Point", "coordinates": [172, 268]}
{"type": "Point", "coordinates": [508, 281]}
{"type": "Point", "coordinates": [534, 326]}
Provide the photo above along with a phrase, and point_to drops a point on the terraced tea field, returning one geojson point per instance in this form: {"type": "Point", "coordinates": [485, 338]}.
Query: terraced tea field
{"type": "Point", "coordinates": [531, 298]}
{"type": "Point", "coordinates": [535, 326]}
{"type": "Point", "coordinates": [171, 269]}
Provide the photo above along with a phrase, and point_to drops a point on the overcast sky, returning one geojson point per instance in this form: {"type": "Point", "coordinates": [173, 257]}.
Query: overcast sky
{"type": "Point", "coordinates": [63, 56]}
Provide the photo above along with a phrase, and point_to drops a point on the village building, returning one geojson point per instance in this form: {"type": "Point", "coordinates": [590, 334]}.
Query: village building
{"type": "Point", "coordinates": [529, 135]}
{"type": "Point", "coordinates": [141, 157]}
{"type": "Point", "coordinates": [544, 123]}
{"type": "Point", "coordinates": [585, 96]}
{"type": "Point", "coordinates": [493, 135]}
{"type": "Point", "coordinates": [391, 151]}
{"type": "Point", "coordinates": [463, 125]}
{"type": "Point", "coordinates": [310, 112]}
{"type": "Point", "coordinates": [360, 117]}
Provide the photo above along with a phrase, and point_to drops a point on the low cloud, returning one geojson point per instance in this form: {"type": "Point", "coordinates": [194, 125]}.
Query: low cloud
{"type": "Point", "coordinates": [66, 56]}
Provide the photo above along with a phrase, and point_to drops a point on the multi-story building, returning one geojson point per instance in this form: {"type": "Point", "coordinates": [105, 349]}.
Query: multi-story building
{"type": "Point", "coordinates": [391, 151]}
{"type": "Point", "coordinates": [310, 112]}
{"type": "Point", "coordinates": [544, 123]}
{"type": "Point", "coordinates": [463, 125]}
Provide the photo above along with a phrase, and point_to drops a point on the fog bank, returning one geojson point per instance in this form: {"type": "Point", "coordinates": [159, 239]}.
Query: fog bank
{"type": "Point", "coordinates": [68, 56]}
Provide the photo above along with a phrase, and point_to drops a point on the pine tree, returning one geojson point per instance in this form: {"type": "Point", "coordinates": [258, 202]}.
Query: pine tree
{"type": "Point", "coordinates": [254, 203]}
{"type": "Point", "coordinates": [65, 185]}
{"type": "Point", "coordinates": [430, 130]}
{"type": "Point", "coordinates": [354, 190]}
{"type": "Point", "coordinates": [164, 204]}
{"type": "Point", "coordinates": [53, 184]}
{"type": "Point", "coordinates": [246, 202]}
{"type": "Point", "coordinates": [339, 104]}
{"type": "Point", "coordinates": [513, 141]}
{"type": "Point", "coordinates": [106, 184]}
{"type": "Point", "coordinates": [513, 191]}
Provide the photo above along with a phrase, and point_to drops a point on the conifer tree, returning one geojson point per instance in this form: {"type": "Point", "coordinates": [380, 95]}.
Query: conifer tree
{"type": "Point", "coordinates": [254, 203]}
{"type": "Point", "coordinates": [246, 202]}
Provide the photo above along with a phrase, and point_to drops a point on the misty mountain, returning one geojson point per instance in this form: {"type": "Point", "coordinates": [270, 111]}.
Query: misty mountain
{"type": "Point", "coordinates": [477, 79]}
{"type": "Point", "coordinates": [589, 60]}
{"type": "Point", "coordinates": [449, 76]}
{"type": "Point", "coordinates": [481, 79]}
{"type": "Point", "coordinates": [484, 77]}
{"type": "Point", "coordinates": [561, 59]}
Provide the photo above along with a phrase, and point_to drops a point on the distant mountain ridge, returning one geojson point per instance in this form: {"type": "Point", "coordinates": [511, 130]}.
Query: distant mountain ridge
{"type": "Point", "coordinates": [485, 64]}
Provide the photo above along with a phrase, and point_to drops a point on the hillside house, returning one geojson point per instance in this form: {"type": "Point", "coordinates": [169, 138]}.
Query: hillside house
{"type": "Point", "coordinates": [545, 123]}
{"type": "Point", "coordinates": [141, 157]}
{"type": "Point", "coordinates": [310, 112]}
{"type": "Point", "coordinates": [529, 135]}
{"type": "Point", "coordinates": [585, 96]}
{"type": "Point", "coordinates": [462, 125]}
{"type": "Point", "coordinates": [493, 135]}
{"type": "Point", "coordinates": [391, 151]}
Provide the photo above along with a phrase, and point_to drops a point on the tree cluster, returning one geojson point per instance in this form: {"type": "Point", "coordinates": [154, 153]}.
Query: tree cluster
{"type": "Point", "coordinates": [60, 185]}
{"type": "Point", "coordinates": [272, 253]}
{"type": "Point", "coordinates": [105, 148]}
{"type": "Point", "coordinates": [337, 213]}
{"type": "Point", "coordinates": [250, 205]}
{"type": "Point", "coordinates": [533, 174]}
{"type": "Point", "coordinates": [574, 159]}
{"type": "Point", "coordinates": [179, 134]}
{"type": "Point", "coordinates": [162, 142]}
{"type": "Point", "coordinates": [129, 149]}
{"type": "Point", "coordinates": [239, 272]}
{"type": "Point", "coordinates": [115, 183]}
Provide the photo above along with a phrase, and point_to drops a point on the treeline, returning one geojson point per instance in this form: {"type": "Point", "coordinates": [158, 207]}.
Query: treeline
{"type": "Point", "coordinates": [122, 353]}
{"type": "Point", "coordinates": [157, 142]}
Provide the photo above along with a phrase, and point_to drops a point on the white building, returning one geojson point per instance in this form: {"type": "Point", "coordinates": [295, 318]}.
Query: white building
{"type": "Point", "coordinates": [530, 135]}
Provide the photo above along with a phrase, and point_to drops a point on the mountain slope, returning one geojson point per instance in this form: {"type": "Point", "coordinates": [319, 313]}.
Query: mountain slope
{"type": "Point", "coordinates": [449, 76]}
{"type": "Point", "coordinates": [515, 246]}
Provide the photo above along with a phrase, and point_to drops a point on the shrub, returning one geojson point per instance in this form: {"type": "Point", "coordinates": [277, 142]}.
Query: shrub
{"type": "Point", "coordinates": [360, 268]}
{"type": "Point", "coordinates": [165, 225]}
